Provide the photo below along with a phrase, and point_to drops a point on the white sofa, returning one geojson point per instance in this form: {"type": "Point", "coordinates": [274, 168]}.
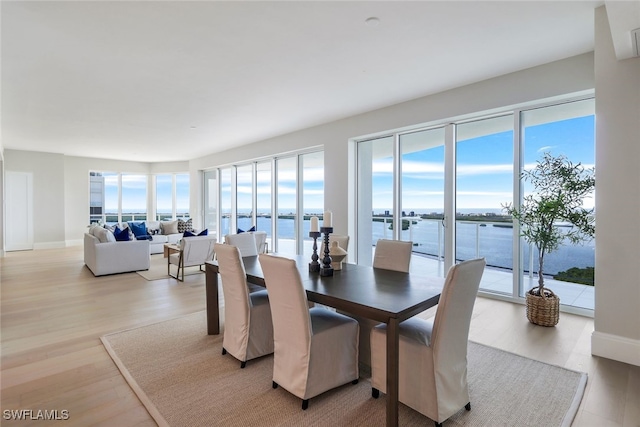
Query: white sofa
{"type": "Point", "coordinates": [156, 245]}
{"type": "Point", "coordinates": [110, 257]}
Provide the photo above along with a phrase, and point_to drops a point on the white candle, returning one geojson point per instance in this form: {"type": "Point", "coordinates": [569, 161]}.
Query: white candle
{"type": "Point", "coordinates": [327, 219]}
{"type": "Point", "coordinates": [314, 224]}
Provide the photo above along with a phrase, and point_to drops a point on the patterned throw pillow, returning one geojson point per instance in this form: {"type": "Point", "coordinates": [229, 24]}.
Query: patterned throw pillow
{"type": "Point", "coordinates": [185, 225]}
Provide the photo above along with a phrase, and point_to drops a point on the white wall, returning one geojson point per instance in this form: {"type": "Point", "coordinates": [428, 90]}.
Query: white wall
{"type": "Point", "coordinates": [617, 297]}
{"type": "Point", "coordinates": [48, 194]}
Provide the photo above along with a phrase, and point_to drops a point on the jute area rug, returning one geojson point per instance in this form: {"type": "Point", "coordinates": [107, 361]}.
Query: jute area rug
{"type": "Point", "coordinates": [158, 269]}
{"type": "Point", "coordinates": [181, 377]}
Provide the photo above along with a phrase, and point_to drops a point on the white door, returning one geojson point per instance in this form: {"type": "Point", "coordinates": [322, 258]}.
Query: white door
{"type": "Point", "coordinates": [18, 229]}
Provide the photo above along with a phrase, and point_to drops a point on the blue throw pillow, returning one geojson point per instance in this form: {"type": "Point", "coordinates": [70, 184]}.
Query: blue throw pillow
{"type": "Point", "coordinates": [240, 230]}
{"type": "Point", "coordinates": [139, 229]}
{"type": "Point", "coordinates": [204, 232]}
{"type": "Point", "coordinates": [121, 235]}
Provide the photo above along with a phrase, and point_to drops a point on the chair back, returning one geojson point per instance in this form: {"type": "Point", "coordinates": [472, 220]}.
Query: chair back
{"type": "Point", "coordinates": [453, 316]}
{"type": "Point", "coordinates": [261, 241]}
{"type": "Point", "coordinates": [196, 250]}
{"type": "Point", "coordinates": [245, 242]}
{"type": "Point", "coordinates": [393, 255]}
{"type": "Point", "coordinates": [237, 303]}
{"type": "Point", "coordinates": [289, 309]}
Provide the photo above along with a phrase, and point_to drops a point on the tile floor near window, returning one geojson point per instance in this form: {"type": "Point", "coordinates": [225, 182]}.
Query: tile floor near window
{"type": "Point", "coordinates": [501, 281]}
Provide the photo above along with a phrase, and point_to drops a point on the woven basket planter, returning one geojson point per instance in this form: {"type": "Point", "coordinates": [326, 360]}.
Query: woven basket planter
{"type": "Point", "coordinates": [543, 310]}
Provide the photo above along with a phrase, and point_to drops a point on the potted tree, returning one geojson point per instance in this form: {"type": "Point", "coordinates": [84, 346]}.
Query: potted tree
{"type": "Point", "coordinates": [559, 189]}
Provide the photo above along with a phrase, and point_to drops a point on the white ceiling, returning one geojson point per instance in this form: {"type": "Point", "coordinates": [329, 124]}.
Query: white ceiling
{"type": "Point", "coordinates": [166, 81]}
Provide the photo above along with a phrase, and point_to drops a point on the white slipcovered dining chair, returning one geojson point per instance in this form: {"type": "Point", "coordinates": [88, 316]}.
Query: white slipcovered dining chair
{"type": "Point", "coordinates": [248, 330]}
{"type": "Point", "coordinates": [315, 349]}
{"type": "Point", "coordinates": [261, 241]}
{"type": "Point", "coordinates": [247, 245]}
{"type": "Point", "coordinates": [393, 255]}
{"type": "Point", "coordinates": [245, 242]}
{"type": "Point", "coordinates": [433, 353]}
{"type": "Point", "coordinates": [194, 250]}
{"type": "Point", "coordinates": [389, 255]}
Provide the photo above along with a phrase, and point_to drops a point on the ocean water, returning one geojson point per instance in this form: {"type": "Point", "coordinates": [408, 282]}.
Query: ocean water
{"type": "Point", "coordinates": [494, 243]}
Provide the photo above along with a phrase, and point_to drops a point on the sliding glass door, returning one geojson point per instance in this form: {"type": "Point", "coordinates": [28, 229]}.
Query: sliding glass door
{"type": "Point", "coordinates": [375, 195]}
{"type": "Point", "coordinates": [484, 183]}
{"type": "Point", "coordinates": [569, 130]}
{"type": "Point", "coordinates": [411, 184]}
{"type": "Point", "coordinates": [422, 195]}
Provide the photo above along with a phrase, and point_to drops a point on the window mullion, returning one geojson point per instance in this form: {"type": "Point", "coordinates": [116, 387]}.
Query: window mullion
{"type": "Point", "coordinates": [397, 188]}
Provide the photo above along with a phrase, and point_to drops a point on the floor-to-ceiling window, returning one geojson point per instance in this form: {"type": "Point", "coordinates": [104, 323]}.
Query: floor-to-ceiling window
{"type": "Point", "coordinates": [164, 197]}
{"type": "Point", "coordinates": [134, 197]}
{"type": "Point", "coordinates": [122, 197]}
{"type": "Point", "coordinates": [566, 129]}
{"type": "Point", "coordinates": [211, 201]}
{"type": "Point", "coordinates": [312, 193]}
{"type": "Point", "coordinates": [469, 170]}
{"type": "Point", "coordinates": [375, 195]}
{"type": "Point", "coordinates": [226, 202]}
{"type": "Point", "coordinates": [111, 197]}
{"type": "Point", "coordinates": [287, 199]}
{"type": "Point", "coordinates": [252, 193]}
{"type": "Point", "coordinates": [183, 199]}
{"type": "Point", "coordinates": [244, 197]}
{"type": "Point", "coordinates": [264, 194]}
{"type": "Point", "coordinates": [422, 191]}
{"type": "Point", "coordinates": [172, 196]}
{"type": "Point", "coordinates": [484, 182]}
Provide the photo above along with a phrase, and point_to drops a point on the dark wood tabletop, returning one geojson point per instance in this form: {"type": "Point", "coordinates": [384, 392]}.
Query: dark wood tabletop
{"type": "Point", "coordinates": [383, 295]}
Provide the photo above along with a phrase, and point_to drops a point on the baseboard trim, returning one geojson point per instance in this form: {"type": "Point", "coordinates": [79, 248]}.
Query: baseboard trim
{"type": "Point", "coordinates": [615, 347]}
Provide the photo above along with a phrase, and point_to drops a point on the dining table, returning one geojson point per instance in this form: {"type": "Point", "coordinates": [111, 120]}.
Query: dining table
{"type": "Point", "coordinates": [382, 295]}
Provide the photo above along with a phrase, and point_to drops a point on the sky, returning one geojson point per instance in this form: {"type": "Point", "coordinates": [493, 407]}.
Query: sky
{"type": "Point", "coordinates": [484, 173]}
{"type": "Point", "coordinates": [484, 167]}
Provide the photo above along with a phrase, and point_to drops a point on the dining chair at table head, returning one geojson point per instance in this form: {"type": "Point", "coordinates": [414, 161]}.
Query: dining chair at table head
{"type": "Point", "coordinates": [248, 330]}
{"type": "Point", "coordinates": [315, 349]}
{"type": "Point", "coordinates": [433, 353]}
{"type": "Point", "coordinates": [261, 241]}
{"type": "Point", "coordinates": [389, 255]}
{"type": "Point", "coordinates": [393, 255]}
{"type": "Point", "coordinates": [245, 242]}
{"type": "Point", "coordinates": [194, 250]}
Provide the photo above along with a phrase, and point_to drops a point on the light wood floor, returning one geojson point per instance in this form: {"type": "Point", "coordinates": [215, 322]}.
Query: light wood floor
{"type": "Point", "coordinates": [53, 311]}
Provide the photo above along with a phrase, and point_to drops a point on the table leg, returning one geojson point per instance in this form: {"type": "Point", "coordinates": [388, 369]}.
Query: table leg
{"type": "Point", "coordinates": [393, 344]}
{"type": "Point", "coordinates": [213, 305]}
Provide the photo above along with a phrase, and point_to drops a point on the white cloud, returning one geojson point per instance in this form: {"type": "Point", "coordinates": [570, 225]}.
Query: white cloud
{"type": "Point", "coordinates": [483, 169]}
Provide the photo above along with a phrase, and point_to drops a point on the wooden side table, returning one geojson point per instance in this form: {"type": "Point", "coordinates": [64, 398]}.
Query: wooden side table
{"type": "Point", "coordinates": [170, 248]}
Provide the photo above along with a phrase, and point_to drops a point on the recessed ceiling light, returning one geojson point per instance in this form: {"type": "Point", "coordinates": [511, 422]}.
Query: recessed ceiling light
{"type": "Point", "coordinates": [372, 21]}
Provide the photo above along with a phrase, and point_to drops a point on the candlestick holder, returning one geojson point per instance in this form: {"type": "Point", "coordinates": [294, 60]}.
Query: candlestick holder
{"type": "Point", "coordinates": [314, 265]}
{"type": "Point", "coordinates": [326, 269]}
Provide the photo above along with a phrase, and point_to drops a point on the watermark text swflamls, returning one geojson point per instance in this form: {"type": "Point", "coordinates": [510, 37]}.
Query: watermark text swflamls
{"type": "Point", "coordinates": [35, 414]}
